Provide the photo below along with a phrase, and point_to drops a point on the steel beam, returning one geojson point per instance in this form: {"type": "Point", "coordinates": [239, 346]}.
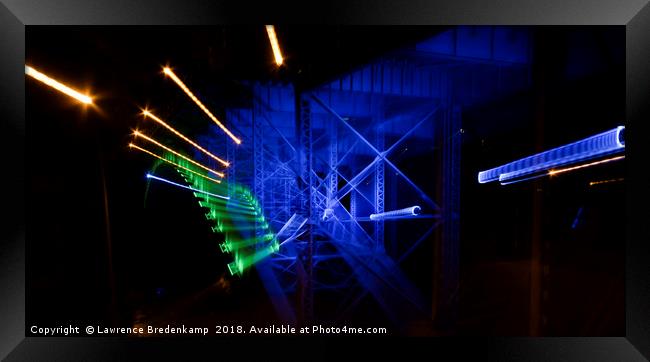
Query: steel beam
{"type": "Point", "coordinates": [305, 267]}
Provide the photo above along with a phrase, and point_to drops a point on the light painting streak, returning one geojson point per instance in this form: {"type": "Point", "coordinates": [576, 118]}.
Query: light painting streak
{"type": "Point", "coordinates": [132, 145]}
{"type": "Point", "coordinates": [187, 91]}
{"type": "Point", "coordinates": [211, 203]}
{"type": "Point", "coordinates": [146, 113]}
{"type": "Point", "coordinates": [596, 146]}
{"type": "Point", "coordinates": [242, 263]}
{"type": "Point", "coordinates": [555, 172]}
{"type": "Point", "coordinates": [231, 216]}
{"type": "Point", "coordinates": [186, 187]}
{"type": "Point", "coordinates": [594, 183]}
{"type": "Point", "coordinates": [273, 38]}
{"type": "Point", "coordinates": [139, 134]}
{"type": "Point", "coordinates": [57, 85]}
{"type": "Point", "coordinates": [232, 245]}
{"type": "Point", "coordinates": [215, 211]}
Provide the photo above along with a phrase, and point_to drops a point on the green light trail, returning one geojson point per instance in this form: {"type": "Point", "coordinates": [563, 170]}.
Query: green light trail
{"type": "Point", "coordinates": [230, 245]}
{"type": "Point", "coordinates": [238, 217]}
{"type": "Point", "coordinates": [242, 263]}
{"type": "Point", "coordinates": [247, 235]}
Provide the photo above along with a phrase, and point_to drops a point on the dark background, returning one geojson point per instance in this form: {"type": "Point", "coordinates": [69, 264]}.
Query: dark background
{"type": "Point", "coordinates": [162, 256]}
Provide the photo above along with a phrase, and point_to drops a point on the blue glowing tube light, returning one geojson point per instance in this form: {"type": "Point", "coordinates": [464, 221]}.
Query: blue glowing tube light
{"type": "Point", "coordinates": [406, 212]}
{"type": "Point", "coordinates": [602, 144]}
{"type": "Point", "coordinates": [186, 187]}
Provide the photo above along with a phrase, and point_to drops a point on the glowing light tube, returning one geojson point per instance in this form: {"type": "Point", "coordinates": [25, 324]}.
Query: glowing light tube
{"type": "Point", "coordinates": [395, 214]}
{"type": "Point", "coordinates": [186, 187]}
{"type": "Point", "coordinates": [161, 122]}
{"type": "Point", "coordinates": [57, 85]}
{"type": "Point", "coordinates": [189, 93]}
{"type": "Point", "coordinates": [139, 134]}
{"type": "Point", "coordinates": [132, 145]}
{"type": "Point", "coordinates": [273, 38]}
{"type": "Point", "coordinates": [602, 144]}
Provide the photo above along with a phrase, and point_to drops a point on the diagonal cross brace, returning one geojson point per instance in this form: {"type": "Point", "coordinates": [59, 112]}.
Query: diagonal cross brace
{"type": "Point", "coordinates": [380, 155]}
{"type": "Point", "coordinates": [351, 184]}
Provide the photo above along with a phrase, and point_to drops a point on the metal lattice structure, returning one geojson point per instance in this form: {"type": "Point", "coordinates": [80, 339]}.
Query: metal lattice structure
{"type": "Point", "coordinates": [321, 161]}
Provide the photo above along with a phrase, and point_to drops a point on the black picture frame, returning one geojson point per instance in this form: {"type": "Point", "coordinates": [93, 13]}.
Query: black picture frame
{"type": "Point", "coordinates": [16, 14]}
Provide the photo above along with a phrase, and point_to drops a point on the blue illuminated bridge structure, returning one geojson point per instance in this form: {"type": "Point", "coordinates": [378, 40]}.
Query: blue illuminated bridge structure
{"type": "Point", "coordinates": [357, 174]}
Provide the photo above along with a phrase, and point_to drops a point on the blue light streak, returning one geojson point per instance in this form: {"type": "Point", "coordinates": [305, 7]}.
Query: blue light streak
{"type": "Point", "coordinates": [186, 187]}
{"type": "Point", "coordinates": [605, 143]}
{"type": "Point", "coordinates": [576, 220]}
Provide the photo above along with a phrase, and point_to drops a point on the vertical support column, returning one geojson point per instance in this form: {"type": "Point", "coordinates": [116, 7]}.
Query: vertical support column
{"type": "Point", "coordinates": [447, 279]}
{"type": "Point", "coordinates": [353, 203]}
{"type": "Point", "coordinates": [392, 229]}
{"type": "Point", "coordinates": [305, 279]}
{"type": "Point", "coordinates": [275, 283]}
{"type": "Point", "coordinates": [258, 160]}
{"type": "Point", "coordinates": [334, 148]}
{"type": "Point", "coordinates": [379, 188]}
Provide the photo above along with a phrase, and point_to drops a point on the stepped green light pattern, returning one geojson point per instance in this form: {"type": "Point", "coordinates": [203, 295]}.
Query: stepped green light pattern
{"type": "Point", "coordinates": [247, 235]}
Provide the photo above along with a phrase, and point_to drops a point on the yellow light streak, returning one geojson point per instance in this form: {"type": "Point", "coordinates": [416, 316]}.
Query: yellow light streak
{"type": "Point", "coordinates": [139, 134]}
{"type": "Point", "coordinates": [57, 85]}
{"type": "Point", "coordinates": [555, 172]}
{"type": "Point", "coordinates": [160, 121]}
{"type": "Point", "coordinates": [270, 29]}
{"type": "Point", "coordinates": [132, 145]}
{"type": "Point", "coordinates": [187, 91]}
{"type": "Point", "coordinates": [605, 181]}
